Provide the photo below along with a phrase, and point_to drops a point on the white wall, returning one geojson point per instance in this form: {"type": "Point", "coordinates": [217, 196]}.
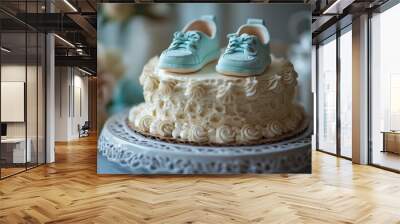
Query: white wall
{"type": "Point", "coordinates": [12, 73]}
{"type": "Point", "coordinates": [12, 100]}
{"type": "Point", "coordinates": [16, 73]}
{"type": "Point", "coordinates": [79, 115]}
{"type": "Point", "coordinates": [71, 87]}
{"type": "Point", "coordinates": [61, 103]}
{"type": "Point", "coordinates": [33, 126]}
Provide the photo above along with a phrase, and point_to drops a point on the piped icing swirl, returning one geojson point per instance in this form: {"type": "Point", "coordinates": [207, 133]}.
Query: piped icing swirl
{"type": "Point", "coordinates": [214, 119]}
{"type": "Point", "coordinates": [274, 83]}
{"type": "Point", "coordinates": [196, 91]}
{"type": "Point", "coordinates": [272, 129]}
{"type": "Point", "coordinates": [289, 79]}
{"type": "Point", "coordinates": [191, 108]}
{"type": "Point", "coordinates": [197, 134]}
{"type": "Point", "coordinates": [150, 84]}
{"type": "Point", "coordinates": [225, 93]}
{"type": "Point", "coordinates": [289, 76]}
{"type": "Point", "coordinates": [249, 133]}
{"type": "Point", "coordinates": [167, 87]}
{"type": "Point", "coordinates": [143, 123]}
{"type": "Point", "coordinates": [162, 127]}
{"type": "Point", "coordinates": [250, 87]}
{"type": "Point", "coordinates": [225, 134]}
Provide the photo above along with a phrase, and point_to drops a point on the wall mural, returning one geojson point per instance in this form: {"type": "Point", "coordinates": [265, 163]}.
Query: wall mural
{"type": "Point", "coordinates": [190, 88]}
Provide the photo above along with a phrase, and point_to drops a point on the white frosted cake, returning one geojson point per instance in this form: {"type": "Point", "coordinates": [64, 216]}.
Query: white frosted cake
{"type": "Point", "coordinates": [214, 109]}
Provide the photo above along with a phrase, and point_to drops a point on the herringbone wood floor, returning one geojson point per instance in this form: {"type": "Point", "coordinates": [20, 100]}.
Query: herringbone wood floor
{"type": "Point", "coordinates": [70, 191]}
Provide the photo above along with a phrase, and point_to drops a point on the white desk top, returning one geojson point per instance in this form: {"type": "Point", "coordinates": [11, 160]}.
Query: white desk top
{"type": "Point", "coordinates": [13, 140]}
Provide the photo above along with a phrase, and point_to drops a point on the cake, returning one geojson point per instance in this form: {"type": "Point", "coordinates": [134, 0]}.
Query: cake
{"type": "Point", "coordinates": [208, 108]}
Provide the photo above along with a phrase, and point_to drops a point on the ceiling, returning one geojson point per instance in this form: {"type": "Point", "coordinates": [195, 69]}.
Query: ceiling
{"type": "Point", "coordinates": [330, 15]}
{"type": "Point", "coordinates": [74, 22]}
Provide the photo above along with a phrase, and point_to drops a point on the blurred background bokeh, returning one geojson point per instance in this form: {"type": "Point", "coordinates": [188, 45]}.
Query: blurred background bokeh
{"type": "Point", "coordinates": [130, 34]}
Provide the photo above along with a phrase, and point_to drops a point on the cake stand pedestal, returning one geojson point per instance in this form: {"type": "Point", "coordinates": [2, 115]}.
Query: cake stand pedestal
{"type": "Point", "coordinates": [138, 154]}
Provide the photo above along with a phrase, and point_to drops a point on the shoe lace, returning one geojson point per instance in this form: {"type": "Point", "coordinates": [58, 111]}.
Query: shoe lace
{"type": "Point", "coordinates": [187, 40]}
{"type": "Point", "coordinates": [241, 43]}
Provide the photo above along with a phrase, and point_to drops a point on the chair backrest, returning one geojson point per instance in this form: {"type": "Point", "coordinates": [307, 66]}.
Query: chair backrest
{"type": "Point", "coordinates": [86, 125]}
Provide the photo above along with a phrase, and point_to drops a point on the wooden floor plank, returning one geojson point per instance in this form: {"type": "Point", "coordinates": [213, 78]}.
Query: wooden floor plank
{"type": "Point", "coordinates": [70, 191]}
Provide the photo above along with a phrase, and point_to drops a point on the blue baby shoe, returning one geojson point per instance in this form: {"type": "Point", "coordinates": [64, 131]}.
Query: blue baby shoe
{"type": "Point", "coordinates": [193, 47]}
{"type": "Point", "coordinates": [248, 51]}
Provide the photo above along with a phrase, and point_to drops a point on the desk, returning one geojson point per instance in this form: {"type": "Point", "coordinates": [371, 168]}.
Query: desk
{"type": "Point", "coordinates": [391, 141]}
{"type": "Point", "coordinates": [16, 147]}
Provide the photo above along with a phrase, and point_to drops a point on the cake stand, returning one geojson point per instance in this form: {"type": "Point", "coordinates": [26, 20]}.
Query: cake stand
{"type": "Point", "coordinates": [138, 154]}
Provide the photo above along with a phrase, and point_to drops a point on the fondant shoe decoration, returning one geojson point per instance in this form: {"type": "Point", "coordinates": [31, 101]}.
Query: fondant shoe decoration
{"type": "Point", "coordinates": [248, 50]}
{"type": "Point", "coordinates": [193, 47]}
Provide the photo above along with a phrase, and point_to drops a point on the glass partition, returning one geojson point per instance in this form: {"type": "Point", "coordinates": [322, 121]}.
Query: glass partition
{"type": "Point", "coordinates": [32, 88]}
{"type": "Point", "coordinates": [327, 96]}
{"type": "Point", "coordinates": [32, 97]}
{"type": "Point", "coordinates": [346, 93]}
{"type": "Point", "coordinates": [385, 89]}
{"type": "Point", "coordinates": [15, 151]}
{"type": "Point", "coordinates": [23, 91]}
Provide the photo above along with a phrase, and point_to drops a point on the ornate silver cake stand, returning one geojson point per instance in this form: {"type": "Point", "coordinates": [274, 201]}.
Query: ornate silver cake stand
{"type": "Point", "coordinates": [139, 154]}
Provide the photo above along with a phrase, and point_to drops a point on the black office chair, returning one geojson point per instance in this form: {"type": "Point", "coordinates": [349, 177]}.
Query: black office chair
{"type": "Point", "coordinates": [84, 130]}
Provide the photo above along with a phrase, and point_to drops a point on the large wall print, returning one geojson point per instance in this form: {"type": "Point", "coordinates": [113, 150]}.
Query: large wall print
{"type": "Point", "coordinates": [204, 88]}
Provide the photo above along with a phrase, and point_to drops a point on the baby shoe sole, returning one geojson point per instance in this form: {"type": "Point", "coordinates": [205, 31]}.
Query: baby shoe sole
{"type": "Point", "coordinates": [186, 70]}
{"type": "Point", "coordinates": [241, 74]}
{"type": "Point", "coordinates": [212, 58]}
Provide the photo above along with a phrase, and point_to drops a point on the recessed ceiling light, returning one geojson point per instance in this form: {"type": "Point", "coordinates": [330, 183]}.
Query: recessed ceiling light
{"type": "Point", "coordinates": [64, 40]}
{"type": "Point", "coordinates": [84, 71]}
{"type": "Point", "coordinates": [70, 5]}
{"type": "Point", "coordinates": [337, 7]}
{"type": "Point", "coordinates": [5, 50]}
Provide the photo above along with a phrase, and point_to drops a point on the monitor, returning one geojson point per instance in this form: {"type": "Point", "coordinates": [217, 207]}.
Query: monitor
{"type": "Point", "coordinates": [3, 129]}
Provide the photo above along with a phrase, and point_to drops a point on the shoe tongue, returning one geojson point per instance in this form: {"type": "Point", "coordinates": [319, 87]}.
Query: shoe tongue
{"type": "Point", "coordinates": [192, 32]}
{"type": "Point", "coordinates": [197, 32]}
{"type": "Point", "coordinates": [245, 35]}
